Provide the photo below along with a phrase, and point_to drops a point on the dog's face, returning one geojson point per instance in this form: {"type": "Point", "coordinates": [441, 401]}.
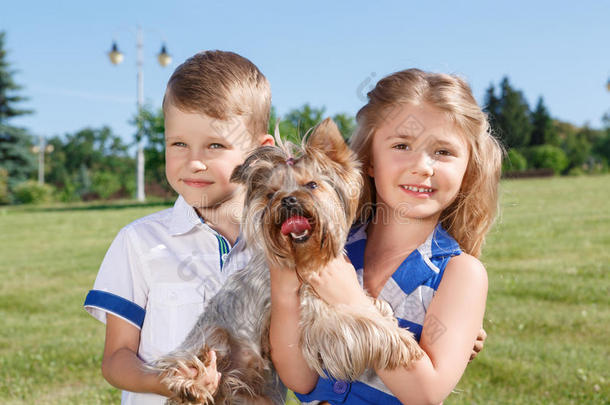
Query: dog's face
{"type": "Point", "coordinates": [301, 202]}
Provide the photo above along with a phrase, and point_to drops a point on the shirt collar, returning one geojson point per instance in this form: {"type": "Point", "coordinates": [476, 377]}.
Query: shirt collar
{"type": "Point", "coordinates": [439, 244]}
{"type": "Point", "coordinates": [184, 218]}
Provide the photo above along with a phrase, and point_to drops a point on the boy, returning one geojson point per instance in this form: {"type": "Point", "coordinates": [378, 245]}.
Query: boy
{"type": "Point", "coordinates": [161, 269]}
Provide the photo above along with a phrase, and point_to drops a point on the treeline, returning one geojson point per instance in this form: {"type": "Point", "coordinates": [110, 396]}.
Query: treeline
{"type": "Point", "coordinates": [534, 140]}
{"type": "Point", "coordinates": [96, 163]}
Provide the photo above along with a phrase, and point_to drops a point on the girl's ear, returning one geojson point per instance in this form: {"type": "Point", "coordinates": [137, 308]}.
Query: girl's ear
{"type": "Point", "coordinates": [369, 169]}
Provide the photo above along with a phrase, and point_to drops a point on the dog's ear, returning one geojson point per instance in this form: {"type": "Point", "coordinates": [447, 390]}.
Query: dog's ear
{"type": "Point", "coordinates": [327, 138]}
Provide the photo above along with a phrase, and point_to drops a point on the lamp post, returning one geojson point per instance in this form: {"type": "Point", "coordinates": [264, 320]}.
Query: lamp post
{"type": "Point", "coordinates": [116, 57]}
{"type": "Point", "coordinates": [41, 149]}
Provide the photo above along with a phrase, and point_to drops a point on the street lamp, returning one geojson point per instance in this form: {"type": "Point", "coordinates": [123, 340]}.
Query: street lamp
{"type": "Point", "coordinates": [164, 58]}
{"type": "Point", "coordinates": [41, 149]}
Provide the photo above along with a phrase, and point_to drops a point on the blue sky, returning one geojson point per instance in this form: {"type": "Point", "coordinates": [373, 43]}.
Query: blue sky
{"type": "Point", "coordinates": [321, 52]}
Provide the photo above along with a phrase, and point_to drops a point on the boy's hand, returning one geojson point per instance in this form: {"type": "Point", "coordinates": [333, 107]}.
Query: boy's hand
{"type": "Point", "coordinates": [209, 377]}
{"type": "Point", "coordinates": [478, 344]}
{"type": "Point", "coordinates": [194, 383]}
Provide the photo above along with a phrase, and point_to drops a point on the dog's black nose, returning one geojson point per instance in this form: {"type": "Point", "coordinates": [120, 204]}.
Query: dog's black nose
{"type": "Point", "coordinates": [289, 202]}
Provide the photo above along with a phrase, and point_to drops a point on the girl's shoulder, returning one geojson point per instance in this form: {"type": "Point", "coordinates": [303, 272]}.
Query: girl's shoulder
{"type": "Point", "coordinates": [465, 269]}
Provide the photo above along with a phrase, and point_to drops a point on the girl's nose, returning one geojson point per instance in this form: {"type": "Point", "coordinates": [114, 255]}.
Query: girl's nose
{"type": "Point", "coordinates": [423, 164]}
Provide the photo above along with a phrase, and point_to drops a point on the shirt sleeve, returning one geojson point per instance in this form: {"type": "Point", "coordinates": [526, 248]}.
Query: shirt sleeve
{"type": "Point", "coordinates": [120, 288]}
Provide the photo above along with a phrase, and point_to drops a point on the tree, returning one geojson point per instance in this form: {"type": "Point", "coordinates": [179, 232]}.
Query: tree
{"type": "Point", "coordinates": [153, 131]}
{"type": "Point", "coordinates": [346, 124]}
{"type": "Point", "coordinates": [510, 115]}
{"type": "Point", "coordinates": [79, 158]}
{"type": "Point", "coordinates": [15, 143]}
{"type": "Point", "coordinates": [9, 96]}
{"type": "Point", "coordinates": [543, 131]}
{"type": "Point", "coordinates": [16, 155]}
{"type": "Point", "coordinates": [298, 121]}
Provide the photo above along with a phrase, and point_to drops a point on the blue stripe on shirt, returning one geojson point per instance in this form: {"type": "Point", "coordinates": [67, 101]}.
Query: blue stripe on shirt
{"type": "Point", "coordinates": [413, 327]}
{"type": "Point", "coordinates": [117, 305]}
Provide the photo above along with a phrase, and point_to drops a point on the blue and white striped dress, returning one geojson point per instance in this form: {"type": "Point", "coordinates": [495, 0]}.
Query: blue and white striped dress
{"type": "Point", "coordinates": [409, 292]}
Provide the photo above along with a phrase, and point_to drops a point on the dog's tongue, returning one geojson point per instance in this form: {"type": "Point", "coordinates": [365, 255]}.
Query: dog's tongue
{"type": "Point", "coordinates": [296, 224]}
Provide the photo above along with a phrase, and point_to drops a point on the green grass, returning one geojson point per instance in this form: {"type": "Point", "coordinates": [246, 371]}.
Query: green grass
{"type": "Point", "coordinates": [547, 314]}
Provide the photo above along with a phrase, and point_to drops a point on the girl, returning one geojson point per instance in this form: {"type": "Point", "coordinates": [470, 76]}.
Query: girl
{"type": "Point", "coordinates": [432, 171]}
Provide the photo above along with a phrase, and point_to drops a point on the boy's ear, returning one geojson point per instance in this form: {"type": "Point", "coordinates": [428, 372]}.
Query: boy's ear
{"type": "Point", "coordinates": [266, 140]}
{"type": "Point", "coordinates": [327, 138]}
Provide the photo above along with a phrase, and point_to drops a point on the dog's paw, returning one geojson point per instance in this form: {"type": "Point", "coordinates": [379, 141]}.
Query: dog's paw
{"type": "Point", "coordinates": [193, 379]}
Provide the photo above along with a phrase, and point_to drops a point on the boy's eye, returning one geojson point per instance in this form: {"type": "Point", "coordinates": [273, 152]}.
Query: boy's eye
{"type": "Point", "coordinates": [312, 185]}
{"type": "Point", "coordinates": [401, 146]}
{"type": "Point", "coordinates": [216, 146]}
{"type": "Point", "coordinates": [179, 144]}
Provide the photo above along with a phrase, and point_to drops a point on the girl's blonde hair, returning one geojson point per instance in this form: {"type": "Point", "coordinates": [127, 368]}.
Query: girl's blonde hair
{"type": "Point", "coordinates": [473, 211]}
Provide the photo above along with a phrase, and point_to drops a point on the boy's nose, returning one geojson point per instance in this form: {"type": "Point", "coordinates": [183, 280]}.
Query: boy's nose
{"type": "Point", "coordinates": [197, 165]}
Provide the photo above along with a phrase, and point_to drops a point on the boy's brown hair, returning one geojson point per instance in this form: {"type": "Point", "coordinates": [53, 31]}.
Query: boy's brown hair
{"type": "Point", "coordinates": [221, 85]}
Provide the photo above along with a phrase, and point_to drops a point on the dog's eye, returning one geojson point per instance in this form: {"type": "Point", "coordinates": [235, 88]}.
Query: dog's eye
{"type": "Point", "coordinates": [312, 185]}
{"type": "Point", "coordinates": [270, 195]}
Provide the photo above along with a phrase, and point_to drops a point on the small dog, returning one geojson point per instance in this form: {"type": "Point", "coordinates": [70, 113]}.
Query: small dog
{"type": "Point", "coordinates": [300, 204]}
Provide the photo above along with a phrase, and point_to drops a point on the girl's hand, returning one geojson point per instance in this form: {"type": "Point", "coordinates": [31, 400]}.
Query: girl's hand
{"type": "Point", "coordinates": [337, 284]}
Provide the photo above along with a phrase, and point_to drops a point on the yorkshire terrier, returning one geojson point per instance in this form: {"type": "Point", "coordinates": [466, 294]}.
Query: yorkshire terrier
{"type": "Point", "coordinates": [300, 204]}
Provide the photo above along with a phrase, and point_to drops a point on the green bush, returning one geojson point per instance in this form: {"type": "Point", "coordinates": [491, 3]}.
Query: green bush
{"type": "Point", "coordinates": [4, 186]}
{"type": "Point", "coordinates": [576, 171]}
{"type": "Point", "coordinates": [105, 184]}
{"type": "Point", "coordinates": [514, 161]}
{"type": "Point", "coordinates": [68, 193]}
{"type": "Point", "coordinates": [30, 192]}
{"type": "Point", "coordinates": [547, 157]}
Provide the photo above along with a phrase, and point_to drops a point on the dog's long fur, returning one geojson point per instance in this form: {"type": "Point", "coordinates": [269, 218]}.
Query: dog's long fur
{"type": "Point", "coordinates": [322, 180]}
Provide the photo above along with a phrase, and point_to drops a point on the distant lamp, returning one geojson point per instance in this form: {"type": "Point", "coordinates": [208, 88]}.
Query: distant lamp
{"type": "Point", "coordinates": [115, 55]}
{"type": "Point", "coordinates": [165, 58]}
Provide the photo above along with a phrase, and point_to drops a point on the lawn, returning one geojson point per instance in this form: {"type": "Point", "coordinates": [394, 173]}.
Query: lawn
{"type": "Point", "coordinates": [548, 311]}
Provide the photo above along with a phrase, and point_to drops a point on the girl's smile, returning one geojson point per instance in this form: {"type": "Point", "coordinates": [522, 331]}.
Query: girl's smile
{"type": "Point", "coordinates": [419, 191]}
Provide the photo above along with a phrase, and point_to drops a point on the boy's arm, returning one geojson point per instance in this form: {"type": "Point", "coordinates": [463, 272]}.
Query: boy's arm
{"type": "Point", "coordinates": [121, 365]}
{"type": "Point", "coordinates": [284, 333]}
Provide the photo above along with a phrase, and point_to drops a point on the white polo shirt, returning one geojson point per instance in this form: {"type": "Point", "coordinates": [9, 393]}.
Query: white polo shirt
{"type": "Point", "coordinates": [158, 274]}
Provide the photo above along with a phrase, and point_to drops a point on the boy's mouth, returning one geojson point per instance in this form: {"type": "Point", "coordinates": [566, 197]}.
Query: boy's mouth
{"type": "Point", "coordinates": [298, 227]}
{"type": "Point", "coordinates": [196, 183]}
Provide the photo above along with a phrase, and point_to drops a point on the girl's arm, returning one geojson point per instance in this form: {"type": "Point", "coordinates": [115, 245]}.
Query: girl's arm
{"type": "Point", "coordinates": [284, 333]}
{"type": "Point", "coordinates": [451, 325]}
{"type": "Point", "coordinates": [121, 366]}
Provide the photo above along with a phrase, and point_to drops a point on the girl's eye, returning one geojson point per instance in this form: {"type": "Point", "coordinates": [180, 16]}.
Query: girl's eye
{"type": "Point", "coordinates": [179, 144]}
{"type": "Point", "coordinates": [216, 146]}
{"type": "Point", "coordinates": [312, 185]}
{"type": "Point", "coordinates": [401, 146]}
{"type": "Point", "coordinates": [444, 152]}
